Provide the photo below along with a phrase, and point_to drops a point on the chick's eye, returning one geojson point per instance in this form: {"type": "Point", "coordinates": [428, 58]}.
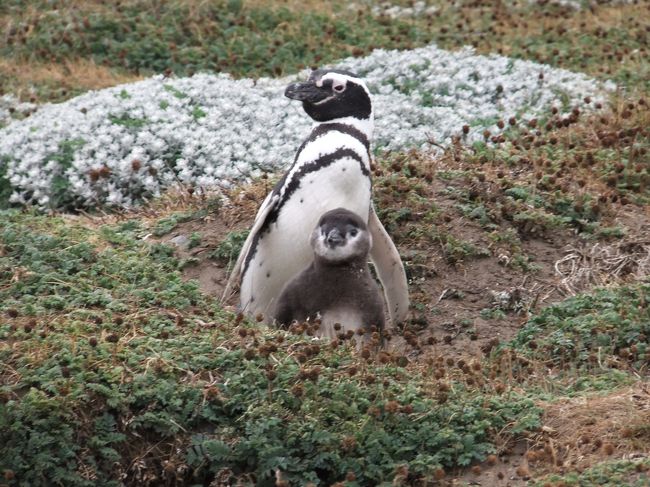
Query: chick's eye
{"type": "Point", "coordinates": [339, 88]}
{"type": "Point", "coordinates": [354, 232]}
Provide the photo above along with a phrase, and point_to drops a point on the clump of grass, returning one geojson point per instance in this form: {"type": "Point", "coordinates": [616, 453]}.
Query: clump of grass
{"type": "Point", "coordinates": [608, 328]}
{"type": "Point", "coordinates": [632, 473]}
{"type": "Point", "coordinates": [230, 247]}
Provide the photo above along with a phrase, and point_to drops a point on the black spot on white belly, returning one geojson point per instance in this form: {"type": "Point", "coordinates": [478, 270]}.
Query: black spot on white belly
{"type": "Point", "coordinates": [343, 170]}
{"type": "Point", "coordinates": [268, 274]}
{"type": "Point", "coordinates": [301, 200]}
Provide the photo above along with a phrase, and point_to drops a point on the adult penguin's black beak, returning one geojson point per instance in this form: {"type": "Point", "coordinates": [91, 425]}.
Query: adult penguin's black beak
{"type": "Point", "coordinates": [306, 92]}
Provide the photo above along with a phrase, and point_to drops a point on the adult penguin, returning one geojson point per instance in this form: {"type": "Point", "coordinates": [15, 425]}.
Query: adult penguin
{"type": "Point", "coordinates": [331, 170]}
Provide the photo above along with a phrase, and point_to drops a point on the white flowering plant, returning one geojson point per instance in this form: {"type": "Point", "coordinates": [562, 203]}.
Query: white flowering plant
{"type": "Point", "coordinates": [116, 146]}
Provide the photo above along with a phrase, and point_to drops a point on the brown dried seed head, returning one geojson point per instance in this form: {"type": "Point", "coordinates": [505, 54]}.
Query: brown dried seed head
{"type": "Point", "coordinates": [348, 443]}
{"type": "Point", "coordinates": [407, 409]}
{"type": "Point", "coordinates": [522, 471]}
{"type": "Point", "coordinates": [391, 407]}
{"type": "Point", "coordinates": [374, 411]}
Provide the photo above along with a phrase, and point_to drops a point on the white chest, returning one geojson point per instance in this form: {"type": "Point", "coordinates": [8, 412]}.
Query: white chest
{"type": "Point", "coordinates": [340, 185]}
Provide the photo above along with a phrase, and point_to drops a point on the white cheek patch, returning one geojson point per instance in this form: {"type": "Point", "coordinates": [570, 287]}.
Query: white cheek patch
{"type": "Point", "coordinates": [323, 101]}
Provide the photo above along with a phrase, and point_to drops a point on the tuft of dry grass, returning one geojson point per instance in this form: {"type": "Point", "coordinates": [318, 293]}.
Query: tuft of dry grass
{"type": "Point", "coordinates": [328, 8]}
{"type": "Point", "coordinates": [27, 78]}
{"type": "Point", "coordinates": [583, 431]}
{"type": "Point", "coordinates": [600, 264]}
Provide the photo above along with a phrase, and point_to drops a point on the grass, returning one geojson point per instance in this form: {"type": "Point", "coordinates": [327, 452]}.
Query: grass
{"type": "Point", "coordinates": [608, 474]}
{"type": "Point", "coordinates": [607, 329]}
{"type": "Point", "coordinates": [34, 80]}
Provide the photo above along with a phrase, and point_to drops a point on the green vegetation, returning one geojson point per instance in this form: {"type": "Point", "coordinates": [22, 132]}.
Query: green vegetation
{"type": "Point", "coordinates": [608, 474]}
{"type": "Point", "coordinates": [114, 369]}
{"type": "Point", "coordinates": [147, 37]}
{"type": "Point", "coordinates": [609, 328]}
{"type": "Point", "coordinates": [228, 249]}
{"type": "Point", "coordinates": [106, 351]}
{"type": "Point", "coordinates": [253, 39]}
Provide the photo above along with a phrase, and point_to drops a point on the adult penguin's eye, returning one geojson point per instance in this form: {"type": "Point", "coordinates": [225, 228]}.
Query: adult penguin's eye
{"type": "Point", "coordinates": [339, 88]}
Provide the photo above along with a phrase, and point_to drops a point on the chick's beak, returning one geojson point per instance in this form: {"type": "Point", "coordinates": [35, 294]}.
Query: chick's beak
{"type": "Point", "coordinates": [334, 237]}
{"type": "Point", "coordinates": [306, 92]}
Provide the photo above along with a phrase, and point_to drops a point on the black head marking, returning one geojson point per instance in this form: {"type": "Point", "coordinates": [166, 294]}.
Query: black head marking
{"type": "Point", "coordinates": [326, 98]}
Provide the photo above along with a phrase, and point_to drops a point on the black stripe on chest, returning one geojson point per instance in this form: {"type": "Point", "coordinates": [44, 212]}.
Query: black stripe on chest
{"type": "Point", "coordinates": [313, 166]}
{"type": "Point", "coordinates": [317, 132]}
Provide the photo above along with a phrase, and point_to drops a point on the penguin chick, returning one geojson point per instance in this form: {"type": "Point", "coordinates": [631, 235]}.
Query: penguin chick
{"type": "Point", "coordinates": [337, 286]}
{"type": "Point", "coordinates": [331, 169]}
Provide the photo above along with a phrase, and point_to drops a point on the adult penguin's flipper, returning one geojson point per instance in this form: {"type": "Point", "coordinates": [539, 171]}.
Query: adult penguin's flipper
{"type": "Point", "coordinates": [235, 275]}
{"type": "Point", "coordinates": [389, 268]}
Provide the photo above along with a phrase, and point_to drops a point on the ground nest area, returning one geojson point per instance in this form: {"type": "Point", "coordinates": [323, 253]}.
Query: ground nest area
{"type": "Point", "coordinates": [486, 247]}
{"type": "Point", "coordinates": [475, 275]}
